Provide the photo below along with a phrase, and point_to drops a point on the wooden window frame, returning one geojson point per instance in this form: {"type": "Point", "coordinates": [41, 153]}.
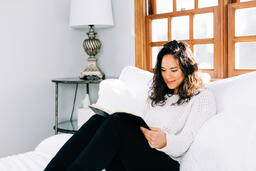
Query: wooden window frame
{"type": "Point", "coordinates": [223, 62]}
{"type": "Point", "coordinates": [215, 40]}
{"type": "Point", "coordinates": [140, 33]}
{"type": "Point", "coordinates": [233, 39]}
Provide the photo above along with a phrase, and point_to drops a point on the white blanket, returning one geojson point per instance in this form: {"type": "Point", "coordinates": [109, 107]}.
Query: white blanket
{"type": "Point", "coordinates": [218, 147]}
{"type": "Point", "coordinates": [35, 160]}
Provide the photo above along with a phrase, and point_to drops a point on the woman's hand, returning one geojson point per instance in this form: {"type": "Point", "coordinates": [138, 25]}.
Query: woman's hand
{"type": "Point", "coordinates": [156, 137]}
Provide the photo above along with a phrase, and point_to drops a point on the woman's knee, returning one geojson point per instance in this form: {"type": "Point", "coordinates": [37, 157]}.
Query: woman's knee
{"type": "Point", "coordinates": [94, 120]}
{"type": "Point", "coordinates": [114, 120]}
{"type": "Point", "coordinates": [97, 116]}
{"type": "Point", "coordinates": [119, 121]}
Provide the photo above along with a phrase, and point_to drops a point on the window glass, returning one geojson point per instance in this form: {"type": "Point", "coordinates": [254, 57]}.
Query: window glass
{"type": "Point", "coordinates": [155, 51]}
{"type": "Point", "coordinates": [208, 3]}
{"type": "Point", "coordinates": [244, 55]}
{"type": "Point", "coordinates": [160, 30]}
{"type": "Point", "coordinates": [180, 28]}
{"type": "Point", "coordinates": [245, 23]}
{"type": "Point", "coordinates": [185, 4]}
{"type": "Point", "coordinates": [164, 6]}
{"type": "Point", "coordinates": [204, 55]}
{"type": "Point", "coordinates": [203, 26]}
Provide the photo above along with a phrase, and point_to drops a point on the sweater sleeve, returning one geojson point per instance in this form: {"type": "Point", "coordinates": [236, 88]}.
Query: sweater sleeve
{"type": "Point", "coordinates": [203, 107]}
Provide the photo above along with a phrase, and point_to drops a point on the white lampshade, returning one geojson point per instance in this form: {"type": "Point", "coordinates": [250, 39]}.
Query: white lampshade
{"type": "Point", "coordinates": [90, 12]}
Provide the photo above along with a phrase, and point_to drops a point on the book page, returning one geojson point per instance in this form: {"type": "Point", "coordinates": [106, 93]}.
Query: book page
{"type": "Point", "coordinates": [101, 108]}
{"type": "Point", "coordinates": [111, 112]}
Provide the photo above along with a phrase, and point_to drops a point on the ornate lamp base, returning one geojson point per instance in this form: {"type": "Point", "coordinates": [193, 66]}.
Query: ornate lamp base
{"type": "Point", "coordinates": [92, 72]}
{"type": "Point", "coordinates": [92, 47]}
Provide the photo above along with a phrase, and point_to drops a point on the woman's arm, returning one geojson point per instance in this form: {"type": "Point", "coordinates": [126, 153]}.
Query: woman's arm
{"type": "Point", "coordinates": [203, 107]}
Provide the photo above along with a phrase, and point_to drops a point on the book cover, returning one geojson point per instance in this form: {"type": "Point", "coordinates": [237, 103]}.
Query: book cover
{"type": "Point", "coordinates": [129, 116]}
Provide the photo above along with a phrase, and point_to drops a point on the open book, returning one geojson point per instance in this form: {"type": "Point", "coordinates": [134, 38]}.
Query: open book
{"type": "Point", "coordinates": [134, 118]}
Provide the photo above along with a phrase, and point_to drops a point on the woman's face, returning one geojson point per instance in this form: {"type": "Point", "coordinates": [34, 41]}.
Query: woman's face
{"type": "Point", "coordinates": [171, 72]}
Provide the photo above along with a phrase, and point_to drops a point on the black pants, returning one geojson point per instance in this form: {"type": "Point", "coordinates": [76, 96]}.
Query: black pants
{"type": "Point", "coordinates": [113, 143]}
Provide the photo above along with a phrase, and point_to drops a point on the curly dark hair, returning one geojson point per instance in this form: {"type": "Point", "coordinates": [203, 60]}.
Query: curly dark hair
{"type": "Point", "coordinates": [191, 84]}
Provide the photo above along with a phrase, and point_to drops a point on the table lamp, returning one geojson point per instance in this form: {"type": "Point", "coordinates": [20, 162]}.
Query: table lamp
{"type": "Point", "coordinates": [87, 14]}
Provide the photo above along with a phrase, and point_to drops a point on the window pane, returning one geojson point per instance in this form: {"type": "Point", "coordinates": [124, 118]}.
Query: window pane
{"type": "Point", "coordinates": [245, 24]}
{"type": "Point", "coordinates": [185, 5]}
{"type": "Point", "coordinates": [203, 26]}
{"type": "Point", "coordinates": [155, 51]}
{"type": "Point", "coordinates": [208, 3]}
{"type": "Point", "coordinates": [160, 30]}
{"type": "Point", "coordinates": [204, 55]}
{"type": "Point", "coordinates": [244, 55]}
{"type": "Point", "coordinates": [180, 28]}
{"type": "Point", "coordinates": [163, 6]}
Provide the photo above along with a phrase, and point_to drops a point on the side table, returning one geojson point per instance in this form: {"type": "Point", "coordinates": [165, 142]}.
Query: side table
{"type": "Point", "coordinates": [69, 126]}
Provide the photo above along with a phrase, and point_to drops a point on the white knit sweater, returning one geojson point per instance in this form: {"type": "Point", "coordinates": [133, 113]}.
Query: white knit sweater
{"type": "Point", "coordinates": [180, 122]}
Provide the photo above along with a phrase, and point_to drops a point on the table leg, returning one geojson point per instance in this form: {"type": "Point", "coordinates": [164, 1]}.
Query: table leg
{"type": "Point", "coordinates": [74, 103]}
{"type": "Point", "coordinates": [56, 109]}
{"type": "Point", "coordinates": [87, 88]}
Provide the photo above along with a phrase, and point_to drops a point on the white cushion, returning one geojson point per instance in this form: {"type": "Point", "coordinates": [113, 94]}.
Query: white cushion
{"type": "Point", "coordinates": [128, 93]}
{"type": "Point", "coordinates": [138, 81]}
{"type": "Point", "coordinates": [225, 143]}
{"type": "Point", "coordinates": [114, 95]}
{"type": "Point", "coordinates": [236, 93]}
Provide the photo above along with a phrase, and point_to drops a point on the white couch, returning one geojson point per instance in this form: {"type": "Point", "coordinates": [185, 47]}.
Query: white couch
{"type": "Point", "coordinates": [226, 142]}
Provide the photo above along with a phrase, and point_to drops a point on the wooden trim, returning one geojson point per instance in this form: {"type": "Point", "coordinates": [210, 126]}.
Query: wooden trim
{"type": "Point", "coordinates": [202, 41]}
{"type": "Point", "coordinates": [231, 50]}
{"type": "Point", "coordinates": [219, 42]}
{"type": "Point", "coordinates": [154, 5]}
{"type": "Point", "coordinates": [191, 27]}
{"type": "Point", "coordinates": [174, 6]}
{"type": "Point", "coordinates": [241, 5]}
{"type": "Point", "coordinates": [140, 34]}
{"type": "Point", "coordinates": [244, 70]}
{"type": "Point", "coordinates": [182, 13]}
{"type": "Point", "coordinates": [150, 7]}
{"type": "Point", "coordinates": [157, 43]}
{"type": "Point", "coordinates": [191, 46]}
{"type": "Point", "coordinates": [196, 4]}
{"type": "Point", "coordinates": [148, 47]}
{"type": "Point", "coordinates": [244, 39]}
{"type": "Point", "coordinates": [163, 42]}
{"type": "Point", "coordinates": [217, 63]}
{"type": "Point", "coordinates": [149, 58]}
{"type": "Point", "coordinates": [208, 70]}
{"type": "Point", "coordinates": [234, 1]}
{"type": "Point", "coordinates": [224, 36]}
{"type": "Point", "coordinates": [169, 29]}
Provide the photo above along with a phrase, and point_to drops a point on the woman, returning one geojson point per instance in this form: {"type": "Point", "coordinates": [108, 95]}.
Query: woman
{"type": "Point", "coordinates": [177, 107]}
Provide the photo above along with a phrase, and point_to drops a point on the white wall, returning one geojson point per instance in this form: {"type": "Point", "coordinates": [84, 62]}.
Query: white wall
{"type": "Point", "coordinates": [118, 42]}
{"type": "Point", "coordinates": [37, 45]}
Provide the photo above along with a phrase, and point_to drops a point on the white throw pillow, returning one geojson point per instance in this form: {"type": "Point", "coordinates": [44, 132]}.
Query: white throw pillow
{"type": "Point", "coordinates": [235, 94]}
{"type": "Point", "coordinates": [114, 95]}
{"type": "Point", "coordinates": [128, 93]}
